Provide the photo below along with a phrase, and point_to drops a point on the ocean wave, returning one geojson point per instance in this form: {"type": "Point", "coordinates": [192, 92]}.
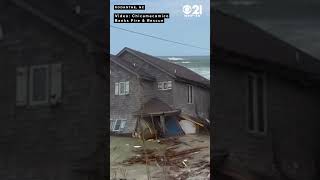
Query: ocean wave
{"type": "Point", "coordinates": [175, 58]}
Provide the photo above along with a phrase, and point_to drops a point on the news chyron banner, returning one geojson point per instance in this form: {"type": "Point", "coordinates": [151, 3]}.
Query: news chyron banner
{"type": "Point", "coordinates": [159, 89]}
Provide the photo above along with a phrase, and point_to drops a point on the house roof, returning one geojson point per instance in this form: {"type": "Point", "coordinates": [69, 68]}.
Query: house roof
{"type": "Point", "coordinates": [234, 34]}
{"type": "Point", "coordinates": [174, 70]}
{"type": "Point", "coordinates": [156, 107]}
{"type": "Point", "coordinates": [87, 29]}
{"type": "Point", "coordinates": [61, 15]}
{"type": "Point", "coordinates": [129, 67]}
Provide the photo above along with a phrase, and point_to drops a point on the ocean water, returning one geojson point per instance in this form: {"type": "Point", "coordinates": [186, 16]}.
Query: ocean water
{"type": "Point", "coordinates": [198, 64]}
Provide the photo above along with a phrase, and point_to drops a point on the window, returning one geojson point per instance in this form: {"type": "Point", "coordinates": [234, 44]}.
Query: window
{"type": "Point", "coordinates": [1, 32]}
{"type": "Point", "coordinates": [256, 104]}
{"type": "Point", "coordinates": [117, 125]}
{"type": "Point", "coordinates": [123, 124]}
{"type": "Point", "coordinates": [39, 84]}
{"type": "Point", "coordinates": [122, 88]}
{"type": "Point", "coordinates": [190, 94]}
{"type": "Point", "coordinates": [21, 86]}
{"type": "Point", "coordinates": [165, 85]}
{"type": "Point", "coordinates": [112, 123]}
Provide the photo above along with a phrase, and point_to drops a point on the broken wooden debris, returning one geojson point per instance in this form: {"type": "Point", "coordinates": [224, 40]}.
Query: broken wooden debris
{"type": "Point", "coordinates": [172, 157]}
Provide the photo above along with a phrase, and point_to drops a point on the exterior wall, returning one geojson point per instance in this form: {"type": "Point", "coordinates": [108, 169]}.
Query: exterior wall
{"type": "Point", "coordinates": [230, 112]}
{"type": "Point", "coordinates": [292, 113]}
{"type": "Point", "coordinates": [148, 89]}
{"type": "Point", "coordinates": [38, 142]}
{"type": "Point", "coordinates": [201, 100]}
{"type": "Point", "coordinates": [124, 106]}
{"type": "Point", "coordinates": [164, 95]}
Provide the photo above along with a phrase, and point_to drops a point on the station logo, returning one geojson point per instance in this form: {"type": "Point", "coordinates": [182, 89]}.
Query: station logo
{"type": "Point", "coordinates": [192, 10]}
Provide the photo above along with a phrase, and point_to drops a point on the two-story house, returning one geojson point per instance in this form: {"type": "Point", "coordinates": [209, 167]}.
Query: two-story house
{"type": "Point", "coordinates": [53, 93]}
{"type": "Point", "coordinates": [266, 100]}
{"type": "Point", "coordinates": [157, 90]}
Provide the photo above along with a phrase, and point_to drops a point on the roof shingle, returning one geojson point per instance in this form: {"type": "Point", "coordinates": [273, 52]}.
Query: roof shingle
{"type": "Point", "coordinates": [176, 70]}
{"type": "Point", "coordinates": [239, 36]}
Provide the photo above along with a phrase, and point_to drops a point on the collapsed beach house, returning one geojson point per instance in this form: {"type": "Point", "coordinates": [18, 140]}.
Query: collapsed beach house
{"type": "Point", "coordinates": [155, 98]}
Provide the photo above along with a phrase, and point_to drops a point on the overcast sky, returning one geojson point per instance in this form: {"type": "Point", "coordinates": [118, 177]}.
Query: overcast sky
{"type": "Point", "coordinates": [295, 21]}
{"type": "Point", "coordinates": [194, 31]}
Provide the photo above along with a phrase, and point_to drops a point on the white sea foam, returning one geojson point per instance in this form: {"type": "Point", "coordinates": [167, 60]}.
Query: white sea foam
{"type": "Point", "coordinates": [200, 65]}
{"type": "Point", "coordinates": [204, 71]}
{"type": "Point", "coordinates": [175, 59]}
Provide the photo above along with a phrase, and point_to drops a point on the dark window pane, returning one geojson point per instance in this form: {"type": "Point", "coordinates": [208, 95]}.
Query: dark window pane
{"type": "Point", "coordinates": [39, 84]}
{"type": "Point", "coordinates": [165, 85]}
{"type": "Point", "coordinates": [251, 103]}
{"type": "Point", "coordinates": [117, 126]}
{"type": "Point", "coordinates": [260, 103]}
{"type": "Point", "coordinates": [122, 87]}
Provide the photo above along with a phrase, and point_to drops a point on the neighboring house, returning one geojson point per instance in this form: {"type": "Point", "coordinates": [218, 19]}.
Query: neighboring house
{"type": "Point", "coordinates": [157, 90]}
{"type": "Point", "coordinates": [266, 101]}
{"type": "Point", "coordinates": [53, 91]}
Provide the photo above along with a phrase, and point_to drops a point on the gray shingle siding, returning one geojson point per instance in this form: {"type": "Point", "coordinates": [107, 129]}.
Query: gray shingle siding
{"type": "Point", "coordinates": [39, 141]}
{"type": "Point", "coordinates": [201, 101]}
{"type": "Point", "coordinates": [148, 90]}
{"type": "Point", "coordinates": [293, 110]}
{"type": "Point", "coordinates": [124, 106]}
{"type": "Point", "coordinates": [292, 124]}
{"type": "Point", "coordinates": [165, 96]}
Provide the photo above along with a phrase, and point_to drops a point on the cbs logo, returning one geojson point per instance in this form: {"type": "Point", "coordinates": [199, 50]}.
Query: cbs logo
{"type": "Point", "coordinates": [192, 10]}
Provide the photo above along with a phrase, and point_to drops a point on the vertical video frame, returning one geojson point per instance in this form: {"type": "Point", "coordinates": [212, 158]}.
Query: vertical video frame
{"type": "Point", "coordinates": [159, 89]}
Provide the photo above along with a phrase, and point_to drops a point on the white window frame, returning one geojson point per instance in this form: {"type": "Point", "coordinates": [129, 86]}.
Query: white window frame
{"type": "Point", "coordinates": [255, 105]}
{"type": "Point", "coordinates": [31, 75]}
{"type": "Point", "coordinates": [126, 88]}
{"type": "Point", "coordinates": [190, 96]}
{"type": "Point", "coordinates": [162, 84]}
{"type": "Point", "coordinates": [122, 125]}
{"type": "Point", "coordinates": [116, 88]}
{"type": "Point", "coordinates": [169, 84]}
{"type": "Point", "coordinates": [112, 124]}
{"type": "Point", "coordinates": [115, 124]}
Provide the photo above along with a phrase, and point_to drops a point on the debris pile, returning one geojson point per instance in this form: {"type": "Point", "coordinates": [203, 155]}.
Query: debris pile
{"type": "Point", "coordinates": [170, 141]}
{"type": "Point", "coordinates": [170, 157]}
{"type": "Point", "coordinates": [179, 158]}
{"type": "Point", "coordinates": [180, 163]}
